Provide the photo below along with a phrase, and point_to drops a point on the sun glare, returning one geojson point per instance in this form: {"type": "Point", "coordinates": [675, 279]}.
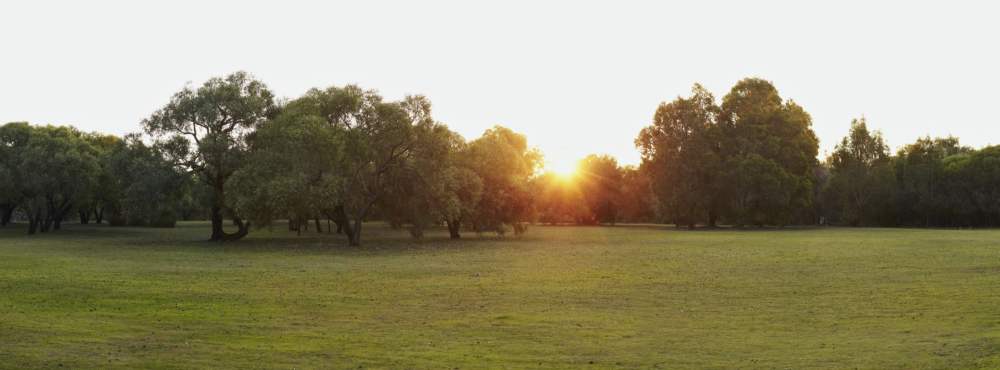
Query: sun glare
{"type": "Point", "coordinates": [564, 171]}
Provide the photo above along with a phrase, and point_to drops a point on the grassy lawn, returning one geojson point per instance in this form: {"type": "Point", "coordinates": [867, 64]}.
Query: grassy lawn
{"type": "Point", "coordinates": [559, 297]}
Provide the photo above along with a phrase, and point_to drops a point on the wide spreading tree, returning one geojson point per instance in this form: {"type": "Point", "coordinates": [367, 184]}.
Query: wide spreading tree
{"type": "Point", "coordinates": [55, 170]}
{"type": "Point", "coordinates": [204, 131]}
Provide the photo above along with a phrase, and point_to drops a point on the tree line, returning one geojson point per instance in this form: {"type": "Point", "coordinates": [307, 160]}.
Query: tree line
{"type": "Point", "coordinates": [229, 150]}
{"type": "Point", "coordinates": [752, 160]}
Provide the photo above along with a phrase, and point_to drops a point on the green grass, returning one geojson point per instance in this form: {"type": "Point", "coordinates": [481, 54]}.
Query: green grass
{"type": "Point", "coordinates": [559, 297]}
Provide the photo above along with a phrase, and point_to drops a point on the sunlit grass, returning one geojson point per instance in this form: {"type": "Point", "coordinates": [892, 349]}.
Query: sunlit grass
{"type": "Point", "coordinates": [559, 297]}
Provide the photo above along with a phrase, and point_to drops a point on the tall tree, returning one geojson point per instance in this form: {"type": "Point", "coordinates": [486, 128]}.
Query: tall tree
{"type": "Point", "coordinates": [680, 151]}
{"type": "Point", "coordinates": [862, 176]}
{"type": "Point", "coordinates": [205, 130]}
{"type": "Point", "coordinates": [769, 152]}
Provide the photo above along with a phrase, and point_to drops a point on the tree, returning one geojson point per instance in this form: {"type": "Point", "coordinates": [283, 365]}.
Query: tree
{"type": "Point", "coordinates": [56, 171]}
{"type": "Point", "coordinates": [204, 131]}
{"type": "Point", "coordinates": [144, 189]}
{"type": "Point", "coordinates": [862, 178]}
{"type": "Point", "coordinates": [680, 151]}
{"type": "Point", "coordinates": [558, 199]}
{"type": "Point", "coordinates": [292, 169]}
{"type": "Point", "coordinates": [502, 159]}
{"type": "Point", "coordinates": [769, 153]}
{"type": "Point", "coordinates": [922, 195]}
{"type": "Point", "coordinates": [379, 137]}
{"type": "Point", "coordinates": [432, 185]}
{"type": "Point", "coordinates": [360, 141]}
{"type": "Point", "coordinates": [971, 179]}
{"type": "Point", "coordinates": [105, 194]}
{"type": "Point", "coordinates": [600, 180]}
{"type": "Point", "coordinates": [14, 139]}
{"type": "Point", "coordinates": [637, 195]}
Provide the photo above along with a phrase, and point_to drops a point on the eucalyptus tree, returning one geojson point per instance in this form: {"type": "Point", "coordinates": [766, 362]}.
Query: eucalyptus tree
{"type": "Point", "coordinates": [862, 177]}
{"type": "Point", "coordinates": [680, 151]}
{"type": "Point", "coordinates": [923, 194]}
{"type": "Point", "coordinates": [204, 131]}
{"type": "Point", "coordinates": [768, 150]}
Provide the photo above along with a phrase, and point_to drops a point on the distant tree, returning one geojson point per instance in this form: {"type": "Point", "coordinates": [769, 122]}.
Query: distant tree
{"type": "Point", "coordinates": [769, 153]}
{"type": "Point", "coordinates": [558, 199]}
{"type": "Point", "coordinates": [600, 180]}
{"type": "Point", "coordinates": [147, 188]}
{"type": "Point", "coordinates": [505, 163]}
{"type": "Point", "coordinates": [862, 177]}
{"type": "Point", "coordinates": [922, 197]}
{"type": "Point", "coordinates": [680, 152]}
{"type": "Point", "coordinates": [105, 194]}
{"type": "Point", "coordinates": [56, 171]}
{"type": "Point", "coordinates": [971, 179]}
{"type": "Point", "coordinates": [637, 195]}
{"type": "Point", "coordinates": [14, 138]}
{"type": "Point", "coordinates": [205, 130]}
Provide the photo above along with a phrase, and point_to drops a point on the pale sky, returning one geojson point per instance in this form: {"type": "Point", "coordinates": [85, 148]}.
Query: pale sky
{"type": "Point", "coordinates": [575, 77]}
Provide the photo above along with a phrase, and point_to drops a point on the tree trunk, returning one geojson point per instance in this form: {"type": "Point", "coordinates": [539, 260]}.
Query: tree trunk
{"type": "Point", "coordinates": [84, 217]}
{"type": "Point", "coordinates": [8, 212]}
{"type": "Point", "coordinates": [242, 230]}
{"type": "Point", "coordinates": [355, 234]}
{"type": "Point", "coordinates": [454, 227]}
{"type": "Point", "coordinates": [319, 226]}
{"type": "Point", "coordinates": [711, 219]}
{"type": "Point", "coordinates": [33, 222]}
{"type": "Point", "coordinates": [339, 218]}
{"type": "Point", "coordinates": [217, 232]}
{"type": "Point", "coordinates": [45, 225]}
{"type": "Point", "coordinates": [98, 215]}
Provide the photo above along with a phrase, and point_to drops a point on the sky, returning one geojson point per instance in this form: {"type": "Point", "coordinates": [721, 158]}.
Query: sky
{"type": "Point", "coordinates": [576, 77]}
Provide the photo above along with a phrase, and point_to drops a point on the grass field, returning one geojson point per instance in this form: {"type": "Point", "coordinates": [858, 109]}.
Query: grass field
{"type": "Point", "coordinates": [559, 297]}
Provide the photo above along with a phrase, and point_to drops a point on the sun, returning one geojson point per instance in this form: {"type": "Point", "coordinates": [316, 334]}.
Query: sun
{"type": "Point", "coordinates": [564, 170]}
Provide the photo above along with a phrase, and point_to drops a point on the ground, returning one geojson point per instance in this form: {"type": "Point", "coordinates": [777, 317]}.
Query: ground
{"type": "Point", "coordinates": [558, 297]}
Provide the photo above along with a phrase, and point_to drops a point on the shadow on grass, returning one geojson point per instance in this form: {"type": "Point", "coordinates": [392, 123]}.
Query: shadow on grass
{"type": "Point", "coordinates": [377, 239]}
